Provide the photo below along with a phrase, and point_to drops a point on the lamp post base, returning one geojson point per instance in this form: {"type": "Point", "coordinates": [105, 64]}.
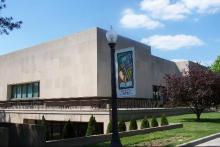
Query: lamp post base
{"type": "Point", "coordinates": [116, 143]}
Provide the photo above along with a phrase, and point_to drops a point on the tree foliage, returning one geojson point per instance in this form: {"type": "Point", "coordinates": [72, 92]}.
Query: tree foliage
{"type": "Point", "coordinates": [109, 127]}
{"type": "Point", "coordinates": [121, 126]}
{"type": "Point", "coordinates": [68, 130]}
{"type": "Point", "coordinates": [164, 120]}
{"type": "Point", "coordinates": [154, 122]}
{"type": "Point", "coordinates": [6, 23]}
{"type": "Point", "coordinates": [44, 124]}
{"type": "Point", "coordinates": [198, 89]}
{"type": "Point", "coordinates": [92, 127]}
{"type": "Point", "coordinates": [43, 121]}
{"type": "Point", "coordinates": [133, 125]}
{"type": "Point", "coordinates": [215, 67]}
{"type": "Point", "coordinates": [145, 123]}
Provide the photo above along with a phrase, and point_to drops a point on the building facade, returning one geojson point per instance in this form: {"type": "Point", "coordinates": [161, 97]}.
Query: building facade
{"type": "Point", "coordinates": [70, 78]}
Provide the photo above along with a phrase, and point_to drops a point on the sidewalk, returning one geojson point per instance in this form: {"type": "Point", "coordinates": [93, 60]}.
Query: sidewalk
{"type": "Point", "coordinates": [214, 142]}
{"type": "Point", "coordinates": [211, 140]}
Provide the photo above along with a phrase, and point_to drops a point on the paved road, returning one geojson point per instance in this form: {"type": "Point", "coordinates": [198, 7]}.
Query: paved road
{"type": "Point", "coordinates": [214, 142]}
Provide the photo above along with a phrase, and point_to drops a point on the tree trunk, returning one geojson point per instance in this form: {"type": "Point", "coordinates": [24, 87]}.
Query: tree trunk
{"type": "Point", "coordinates": [198, 114]}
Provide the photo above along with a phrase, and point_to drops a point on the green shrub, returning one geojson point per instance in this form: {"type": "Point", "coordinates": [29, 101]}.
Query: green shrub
{"type": "Point", "coordinates": [43, 122]}
{"type": "Point", "coordinates": [164, 120]}
{"type": "Point", "coordinates": [109, 128]}
{"type": "Point", "coordinates": [133, 125]}
{"type": "Point", "coordinates": [121, 126]}
{"type": "Point", "coordinates": [68, 131]}
{"type": "Point", "coordinates": [154, 122]}
{"type": "Point", "coordinates": [92, 127]}
{"type": "Point", "coordinates": [145, 123]}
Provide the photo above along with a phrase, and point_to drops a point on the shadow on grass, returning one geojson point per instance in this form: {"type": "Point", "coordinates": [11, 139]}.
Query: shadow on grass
{"type": "Point", "coordinates": [100, 145]}
{"type": "Point", "coordinates": [209, 120]}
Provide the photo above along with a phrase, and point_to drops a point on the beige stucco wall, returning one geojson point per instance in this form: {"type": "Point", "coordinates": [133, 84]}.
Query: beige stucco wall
{"type": "Point", "coordinates": [183, 65]}
{"type": "Point", "coordinates": [142, 64]}
{"type": "Point", "coordinates": [65, 67]}
{"type": "Point", "coordinates": [161, 67]}
{"type": "Point", "coordinates": [150, 70]}
{"type": "Point", "coordinates": [79, 66]}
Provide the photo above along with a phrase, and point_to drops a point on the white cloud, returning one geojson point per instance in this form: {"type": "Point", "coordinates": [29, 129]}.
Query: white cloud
{"type": "Point", "coordinates": [168, 10]}
{"type": "Point", "coordinates": [169, 42]}
{"type": "Point", "coordinates": [203, 6]}
{"type": "Point", "coordinates": [164, 9]}
{"type": "Point", "coordinates": [132, 20]}
{"type": "Point", "coordinates": [155, 11]}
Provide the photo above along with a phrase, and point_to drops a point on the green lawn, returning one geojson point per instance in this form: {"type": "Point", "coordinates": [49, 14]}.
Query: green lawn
{"type": "Point", "coordinates": [210, 123]}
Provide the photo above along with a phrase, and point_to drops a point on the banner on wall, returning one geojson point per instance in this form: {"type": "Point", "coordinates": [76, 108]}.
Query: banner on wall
{"type": "Point", "coordinates": [125, 72]}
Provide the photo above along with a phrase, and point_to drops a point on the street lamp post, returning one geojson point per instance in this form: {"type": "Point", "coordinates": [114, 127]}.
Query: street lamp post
{"type": "Point", "coordinates": [111, 37]}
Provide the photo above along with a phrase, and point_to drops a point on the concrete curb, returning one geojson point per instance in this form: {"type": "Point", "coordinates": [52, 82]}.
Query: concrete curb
{"type": "Point", "coordinates": [200, 140]}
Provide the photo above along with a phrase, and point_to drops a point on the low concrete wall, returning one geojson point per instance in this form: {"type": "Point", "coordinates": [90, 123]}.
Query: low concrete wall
{"type": "Point", "coordinates": [82, 115]}
{"type": "Point", "coordinates": [83, 141]}
{"type": "Point", "coordinates": [3, 137]}
{"type": "Point", "coordinates": [24, 135]}
{"type": "Point", "coordinates": [139, 113]}
{"type": "Point", "coordinates": [74, 115]}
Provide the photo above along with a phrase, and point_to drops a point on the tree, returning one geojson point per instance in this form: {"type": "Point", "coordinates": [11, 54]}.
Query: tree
{"type": "Point", "coordinates": [43, 121]}
{"type": "Point", "coordinates": [198, 89]}
{"type": "Point", "coordinates": [164, 120]}
{"type": "Point", "coordinates": [44, 124]}
{"type": "Point", "coordinates": [92, 127]}
{"type": "Point", "coordinates": [133, 125]}
{"type": "Point", "coordinates": [121, 126]}
{"type": "Point", "coordinates": [68, 131]}
{"type": "Point", "coordinates": [145, 123]}
{"type": "Point", "coordinates": [109, 128]}
{"type": "Point", "coordinates": [215, 67]}
{"type": "Point", "coordinates": [6, 23]}
{"type": "Point", "coordinates": [154, 122]}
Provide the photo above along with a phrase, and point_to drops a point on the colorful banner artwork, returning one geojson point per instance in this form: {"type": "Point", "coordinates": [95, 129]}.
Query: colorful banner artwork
{"type": "Point", "coordinates": [125, 72]}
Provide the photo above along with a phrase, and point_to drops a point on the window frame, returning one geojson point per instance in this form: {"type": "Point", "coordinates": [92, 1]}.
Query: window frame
{"type": "Point", "coordinates": [35, 87]}
{"type": "Point", "coordinates": [157, 95]}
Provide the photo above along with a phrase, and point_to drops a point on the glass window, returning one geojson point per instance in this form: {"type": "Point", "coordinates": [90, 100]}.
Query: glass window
{"type": "Point", "coordinates": [36, 89]}
{"type": "Point", "coordinates": [18, 91]}
{"type": "Point", "coordinates": [158, 92]}
{"type": "Point", "coordinates": [13, 95]}
{"type": "Point", "coordinates": [30, 91]}
{"type": "Point", "coordinates": [24, 91]}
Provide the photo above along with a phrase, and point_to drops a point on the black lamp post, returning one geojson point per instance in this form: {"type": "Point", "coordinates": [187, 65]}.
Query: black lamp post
{"type": "Point", "coordinates": [111, 36]}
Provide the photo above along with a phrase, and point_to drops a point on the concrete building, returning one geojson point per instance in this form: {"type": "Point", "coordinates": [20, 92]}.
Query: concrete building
{"type": "Point", "coordinates": [70, 78]}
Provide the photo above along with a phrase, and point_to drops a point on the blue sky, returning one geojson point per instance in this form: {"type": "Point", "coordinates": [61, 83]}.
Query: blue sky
{"type": "Point", "coordinates": [176, 29]}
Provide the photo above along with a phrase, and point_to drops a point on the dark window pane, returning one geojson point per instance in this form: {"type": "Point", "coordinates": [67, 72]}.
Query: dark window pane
{"type": "Point", "coordinates": [13, 94]}
{"type": "Point", "coordinates": [30, 91]}
{"type": "Point", "coordinates": [36, 89]}
{"type": "Point", "coordinates": [24, 91]}
{"type": "Point", "coordinates": [18, 91]}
